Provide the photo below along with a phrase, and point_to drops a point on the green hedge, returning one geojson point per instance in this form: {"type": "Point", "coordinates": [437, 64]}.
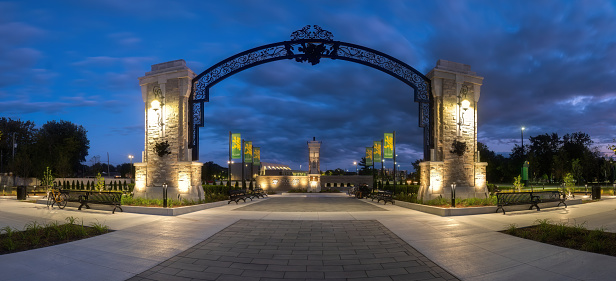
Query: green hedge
{"type": "Point", "coordinates": [217, 189]}
{"type": "Point", "coordinates": [402, 189]}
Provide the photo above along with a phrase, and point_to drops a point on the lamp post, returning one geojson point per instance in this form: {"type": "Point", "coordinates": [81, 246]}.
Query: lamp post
{"type": "Point", "coordinates": [131, 165]}
{"type": "Point", "coordinates": [355, 163]}
{"type": "Point", "coordinates": [522, 138]}
{"type": "Point", "coordinates": [463, 104]}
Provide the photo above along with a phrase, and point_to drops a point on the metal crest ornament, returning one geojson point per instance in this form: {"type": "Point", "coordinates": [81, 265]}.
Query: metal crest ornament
{"type": "Point", "coordinates": [310, 44]}
{"type": "Point", "coordinates": [316, 33]}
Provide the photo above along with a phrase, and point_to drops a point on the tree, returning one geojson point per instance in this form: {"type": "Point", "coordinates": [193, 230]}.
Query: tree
{"type": "Point", "coordinates": [210, 170]}
{"type": "Point", "coordinates": [541, 153]}
{"type": "Point", "coordinates": [415, 176]}
{"type": "Point", "coordinates": [576, 168]}
{"type": "Point", "coordinates": [23, 133]}
{"type": "Point", "coordinates": [63, 145]}
{"type": "Point", "coordinates": [365, 169]}
{"type": "Point", "coordinates": [47, 179]}
{"type": "Point", "coordinates": [99, 184]}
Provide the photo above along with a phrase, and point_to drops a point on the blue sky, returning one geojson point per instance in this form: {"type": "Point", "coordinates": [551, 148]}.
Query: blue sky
{"type": "Point", "coordinates": [548, 66]}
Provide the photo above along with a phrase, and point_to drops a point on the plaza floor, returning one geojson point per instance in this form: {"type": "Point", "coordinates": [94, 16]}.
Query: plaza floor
{"type": "Point", "coordinates": [294, 238]}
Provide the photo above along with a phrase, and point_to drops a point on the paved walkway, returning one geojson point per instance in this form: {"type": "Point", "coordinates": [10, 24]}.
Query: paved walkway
{"type": "Point", "coordinates": [298, 250]}
{"type": "Point", "coordinates": [468, 247]}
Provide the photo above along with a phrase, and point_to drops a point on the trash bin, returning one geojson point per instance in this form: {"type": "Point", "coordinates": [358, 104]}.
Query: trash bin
{"type": "Point", "coordinates": [596, 192]}
{"type": "Point", "coordinates": [21, 192]}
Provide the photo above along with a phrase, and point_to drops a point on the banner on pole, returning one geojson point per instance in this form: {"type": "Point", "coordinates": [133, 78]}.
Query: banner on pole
{"type": "Point", "coordinates": [248, 151]}
{"type": "Point", "coordinates": [236, 146]}
{"type": "Point", "coordinates": [388, 145]}
{"type": "Point", "coordinates": [256, 156]}
{"type": "Point", "coordinates": [369, 156]}
{"type": "Point", "coordinates": [376, 149]}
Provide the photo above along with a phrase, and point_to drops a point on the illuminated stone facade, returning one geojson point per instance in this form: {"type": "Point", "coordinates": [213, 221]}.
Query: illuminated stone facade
{"type": "Point", "coordinates": [451, 84]}
{"type": "Point", "coordinates": [169, 83]}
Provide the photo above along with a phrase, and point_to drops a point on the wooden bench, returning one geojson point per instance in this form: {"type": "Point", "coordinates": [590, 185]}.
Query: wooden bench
{"type": "Point", "coordinates": [237, 195]}
{"type": "Point", "coordinates": [112, 198]}
{"type": "Point", "coordinates": [533, 198]}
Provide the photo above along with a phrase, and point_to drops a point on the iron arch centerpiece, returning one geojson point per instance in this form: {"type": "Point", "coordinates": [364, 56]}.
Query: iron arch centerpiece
{"type": "Point", "coordinates": [310, 44]}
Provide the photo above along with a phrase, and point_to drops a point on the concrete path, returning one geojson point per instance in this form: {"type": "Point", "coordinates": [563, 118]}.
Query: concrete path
{"type": "Point", "coordinates": [468, 247]}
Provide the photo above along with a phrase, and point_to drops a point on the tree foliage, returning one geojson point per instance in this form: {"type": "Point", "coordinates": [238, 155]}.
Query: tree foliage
{"type": "Point", "coordinates": [60, 145]}
{"type": "Point", "coordinates": [551, 159]}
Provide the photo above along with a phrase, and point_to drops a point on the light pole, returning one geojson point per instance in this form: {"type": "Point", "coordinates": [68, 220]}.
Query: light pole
{"type": "Point", "coordinates": [355, 163]}
{"type": "Point", "coordinates": [131, 165]}
{"type": "Point", "coordinates": [522, 139]}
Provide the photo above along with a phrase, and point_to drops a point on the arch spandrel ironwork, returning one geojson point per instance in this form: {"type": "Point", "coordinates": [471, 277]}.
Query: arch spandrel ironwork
{"type": "Point", "coordinates": [310, 45]}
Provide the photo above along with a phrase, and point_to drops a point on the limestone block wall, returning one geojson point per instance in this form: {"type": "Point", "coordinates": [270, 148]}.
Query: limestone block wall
{"type": "Point", "coordinates": [169, 83]}
{"type": "Point", "coordinates": [451, 84]}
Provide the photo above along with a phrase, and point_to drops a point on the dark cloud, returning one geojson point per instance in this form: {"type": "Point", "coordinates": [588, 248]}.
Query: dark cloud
{"type": "Point", "coordinates": [548, 66]}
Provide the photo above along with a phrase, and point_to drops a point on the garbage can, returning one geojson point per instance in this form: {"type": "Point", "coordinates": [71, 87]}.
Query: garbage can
{"type": "Point", "coordinates": [21, 192]}
{"type": "Point", "coordinates": [596, 192]}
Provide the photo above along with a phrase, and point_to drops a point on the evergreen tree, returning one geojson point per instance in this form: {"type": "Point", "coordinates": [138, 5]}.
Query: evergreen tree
{"type": "Point", "coordinates": [237, 185]}
{"type": "Point", "coordinates": [88, 185]}
{"type": "Point", "coordinates": [82, 185]}
{"type": "Point", "coordinates": [115, 185]}
{"type": "Point", "coordinates": [250, 187]}
{"type": "Point", "coordinates": [73, 185]}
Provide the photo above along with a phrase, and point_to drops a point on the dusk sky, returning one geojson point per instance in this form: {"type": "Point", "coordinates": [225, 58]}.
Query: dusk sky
{"type": "Point", "coordinates": [547, 65]}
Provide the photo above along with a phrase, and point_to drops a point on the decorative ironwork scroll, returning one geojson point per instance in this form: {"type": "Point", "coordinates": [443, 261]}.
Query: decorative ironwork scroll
{"type": "Point", "coordinates": [310, 45]}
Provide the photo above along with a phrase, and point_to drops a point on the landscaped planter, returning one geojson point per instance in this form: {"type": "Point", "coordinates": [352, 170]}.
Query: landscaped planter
{"type": "Point", "coordinates": [150, 210]}
{"type": "Point", "coordinates": [445, 212]}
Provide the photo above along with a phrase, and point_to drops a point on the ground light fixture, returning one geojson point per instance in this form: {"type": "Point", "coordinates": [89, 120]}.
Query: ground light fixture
{"type": "Point", "coordinates": [164, 195]}
{"type": "Point", "coordinates": [453, 194]}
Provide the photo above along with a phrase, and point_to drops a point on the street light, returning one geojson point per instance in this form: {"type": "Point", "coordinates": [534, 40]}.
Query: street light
{"type": "Point", "coordinates": [131, 165]}
{"type": "Point", "coordinates": [355, 163]}
{"type": "Point", "coordinates": [522, 137]}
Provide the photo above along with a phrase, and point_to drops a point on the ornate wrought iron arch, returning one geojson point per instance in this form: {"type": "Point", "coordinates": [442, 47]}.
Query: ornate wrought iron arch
{"type": "Point", "coordinates": [310, 45]}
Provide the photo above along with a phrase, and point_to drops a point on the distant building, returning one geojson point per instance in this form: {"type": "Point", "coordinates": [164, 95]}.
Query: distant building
{"type": "Point", "coordinates": [281, 178]}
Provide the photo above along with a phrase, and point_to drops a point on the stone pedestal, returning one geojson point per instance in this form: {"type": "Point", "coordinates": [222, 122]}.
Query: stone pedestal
{"type": "Point", "coordinates": [167, 122]}
{"type": "Point", "coordinates": [453, 83]}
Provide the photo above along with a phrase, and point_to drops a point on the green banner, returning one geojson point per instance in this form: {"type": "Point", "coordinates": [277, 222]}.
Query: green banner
{"type": "Point", "coordinates": [377, 151]}
{"type": "Point", "coordinates": [256, 159]}
{"type": "Point", "coordinates": [388, 145]}
{"type": "Point", "coordinates": [247, 151]}
{"type": "Point", "coordinates": [236, 146]}
{"type": "Point", "coordinates": [369, 156]}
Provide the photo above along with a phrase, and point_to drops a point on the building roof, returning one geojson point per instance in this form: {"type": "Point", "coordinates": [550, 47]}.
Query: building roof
{"type": "Point", "coordinates": [273, 166]}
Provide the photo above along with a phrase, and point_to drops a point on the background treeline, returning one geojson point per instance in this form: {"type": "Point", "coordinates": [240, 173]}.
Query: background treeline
{"type": "Point", "coordinates": [550, 158]}
{"type": "Point", "coordinates": [60, 145]}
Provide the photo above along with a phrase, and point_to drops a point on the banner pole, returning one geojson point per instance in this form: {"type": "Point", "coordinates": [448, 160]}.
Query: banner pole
{"type": "Point", "coordinates": [394, 147]}
{"type": "Point", "coordinates": [243, 168]}
{"type": "Point", "coordinates": [229, 163]}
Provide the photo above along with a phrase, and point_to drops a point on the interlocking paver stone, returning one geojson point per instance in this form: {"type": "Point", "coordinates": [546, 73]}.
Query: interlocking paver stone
{"type": "Point", "coordinates": [346, 257]}
{"type": "Point", "coordinates": [308, 204]}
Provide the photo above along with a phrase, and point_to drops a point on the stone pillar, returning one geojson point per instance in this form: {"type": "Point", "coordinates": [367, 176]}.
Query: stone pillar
{"type": "Point", "coordinates": [452, 83]}
{"type": "Point", "coordinates": [314, 165]}
{"type": "Point", "coordinates": [169, 84]}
